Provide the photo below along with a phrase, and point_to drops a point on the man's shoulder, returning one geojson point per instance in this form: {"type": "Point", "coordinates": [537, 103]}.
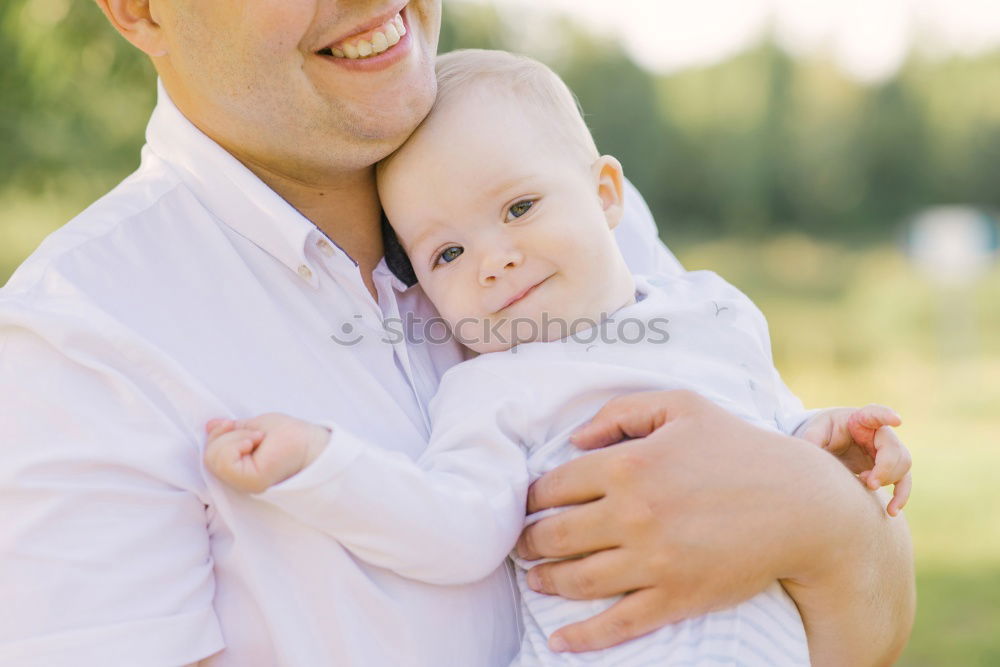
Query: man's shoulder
{"type": "Point", "coordinates": [111, 272]}
{"type": "Point", "coordinates": [703, 291]}
{"type": "Point", "coordinates": [110, 236]}
{"type": "Point", "coordinates": [638, 237]}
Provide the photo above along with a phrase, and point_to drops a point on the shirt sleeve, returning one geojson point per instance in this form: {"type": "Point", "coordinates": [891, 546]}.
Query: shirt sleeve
{"type": "Point", "coordinates": [449, 517]}
{"type": "Point", "coordinates": [793, 414]}
{"type": "Point", "coordinates": [786, 409]}
{"type": "Point", "coordinates": [639, 239]}
{"type": "Point", "coordinates": [104, 550]}
{"type": "Point", "coordinates": [790, 413]}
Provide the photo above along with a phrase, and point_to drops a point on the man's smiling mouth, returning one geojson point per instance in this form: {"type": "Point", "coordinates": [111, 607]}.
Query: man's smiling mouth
{"type": "Point", "coordinates": [369, 43]}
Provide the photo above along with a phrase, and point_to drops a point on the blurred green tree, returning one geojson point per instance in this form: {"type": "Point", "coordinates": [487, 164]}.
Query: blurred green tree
{"type": "Point", "coordinates": [75, 97]}
{"type": "Point", "coordinates": [761, 143]}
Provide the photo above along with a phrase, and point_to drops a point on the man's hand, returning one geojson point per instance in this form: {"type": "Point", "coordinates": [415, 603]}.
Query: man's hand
{"type": "Point", "coordinates": [254, 454]}
{"type": "Point", "coordinates": [699, 513]}
{"type": "Point", "coordinates": [862, 438]}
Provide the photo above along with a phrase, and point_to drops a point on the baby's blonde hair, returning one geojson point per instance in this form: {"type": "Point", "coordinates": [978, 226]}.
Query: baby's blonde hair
{"type": "Point", "coordinates": [522, 78]}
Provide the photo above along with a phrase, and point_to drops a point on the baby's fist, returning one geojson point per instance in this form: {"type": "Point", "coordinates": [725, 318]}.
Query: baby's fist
{"type": "Point", "coordinates": [254, 454]}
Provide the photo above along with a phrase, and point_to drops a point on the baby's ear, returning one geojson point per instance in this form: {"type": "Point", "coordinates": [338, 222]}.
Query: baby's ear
{"type": "Point", "coordinates": [608, 178]}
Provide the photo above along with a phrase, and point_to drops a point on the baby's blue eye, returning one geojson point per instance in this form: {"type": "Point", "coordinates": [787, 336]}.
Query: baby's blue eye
{"type": "Point", "coordinates": [450, 253]}
{"type": "Point", "coordinates": [520, 208]}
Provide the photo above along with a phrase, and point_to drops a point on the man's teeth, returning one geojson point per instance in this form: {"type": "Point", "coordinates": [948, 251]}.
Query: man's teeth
{"type": "Point", "coordinates": [380, 40]}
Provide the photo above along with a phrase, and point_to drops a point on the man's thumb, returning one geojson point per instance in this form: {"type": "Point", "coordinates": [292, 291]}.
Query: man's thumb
{"type": "Point", "coordinates": [626, 417]}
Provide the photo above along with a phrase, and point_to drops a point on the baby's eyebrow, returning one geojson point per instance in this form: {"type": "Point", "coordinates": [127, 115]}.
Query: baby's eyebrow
{"type": "Point", "coordinates": [427, 233]}
{"type": "Point", "coordinates": [508, 184]}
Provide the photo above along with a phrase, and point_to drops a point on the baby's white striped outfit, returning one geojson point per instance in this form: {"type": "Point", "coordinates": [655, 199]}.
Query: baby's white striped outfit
{"type": "Point", "coordinates": [696, 332]}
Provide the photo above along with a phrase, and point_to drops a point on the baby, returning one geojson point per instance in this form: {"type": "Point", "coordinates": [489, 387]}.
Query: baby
{"type": "Point", "coordinates": [506, 210]}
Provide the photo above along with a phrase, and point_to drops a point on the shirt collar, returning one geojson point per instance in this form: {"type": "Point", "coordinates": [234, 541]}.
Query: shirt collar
{"type": "Point", "coordinates": [246, 204]}
{"type": "Point", "coordinates": [229, 190]}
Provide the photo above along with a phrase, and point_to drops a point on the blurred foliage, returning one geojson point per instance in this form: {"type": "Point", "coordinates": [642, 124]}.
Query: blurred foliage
{"type": "Point", "coordinates": [758, 144]}
{"type": "Point", "coordinates": [75, 98]}
{"type": "Point", "coordinates": [766, 143]}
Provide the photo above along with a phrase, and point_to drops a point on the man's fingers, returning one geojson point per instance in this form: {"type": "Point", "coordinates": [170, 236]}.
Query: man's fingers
{"type": "Point", "coordinates": [598, 575]}
{"type": "Point", "coordinates": [900, 494]}
{"type": "Point", "coordinates": [634, 615]}
{"type": "Point", "coordinates": [578, 481]}
{"type": "Point", "coordinates": [578, 530]}
{"type": "Point", "coordinates": [632, 416]}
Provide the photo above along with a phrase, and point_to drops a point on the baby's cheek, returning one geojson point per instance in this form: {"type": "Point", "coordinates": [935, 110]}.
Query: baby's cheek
{"type": "Point", "coordinates": [467, 329]}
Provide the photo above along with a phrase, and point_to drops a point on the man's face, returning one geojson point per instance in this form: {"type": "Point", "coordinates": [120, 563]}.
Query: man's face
{"type": "Point", "coordinates": [506, 232]}
{"type": "Point", "coordinates": [266, 80]}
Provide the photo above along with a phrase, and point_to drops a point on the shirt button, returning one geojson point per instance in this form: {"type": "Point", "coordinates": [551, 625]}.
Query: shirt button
{"type": "Point", "coordinates": [325, 247]}
{"type": "Point", "coordinates": [305, 272]}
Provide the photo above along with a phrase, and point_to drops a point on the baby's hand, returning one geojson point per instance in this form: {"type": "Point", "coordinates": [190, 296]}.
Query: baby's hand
{"type": "Point", "coordinates": [255, 454]}
{"type": "Point", "coordinates": [864, 440]}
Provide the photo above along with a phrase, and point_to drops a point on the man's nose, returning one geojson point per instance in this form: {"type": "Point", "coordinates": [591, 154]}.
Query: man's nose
{"type": "Point", "coordinates": [496, 262]}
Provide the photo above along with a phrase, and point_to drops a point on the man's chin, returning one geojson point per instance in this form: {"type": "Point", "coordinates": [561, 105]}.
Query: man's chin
{"type": "Point", "coordinates": [389, 136]}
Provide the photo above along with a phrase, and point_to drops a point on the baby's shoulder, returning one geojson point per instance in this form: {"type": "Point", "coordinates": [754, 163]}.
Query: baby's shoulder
{"type": "Point", "coordinates": [485, 389]}
{"type": "Point", "coordinates": [507, 376]}
{"type": "Point", "coordinates": [469, 377]}
{"type": "Point", "coordinates": [690, 286]}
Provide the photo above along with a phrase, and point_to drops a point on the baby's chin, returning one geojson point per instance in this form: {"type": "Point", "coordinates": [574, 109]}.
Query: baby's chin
{"type": "Point", "coordinates": [498, 335]}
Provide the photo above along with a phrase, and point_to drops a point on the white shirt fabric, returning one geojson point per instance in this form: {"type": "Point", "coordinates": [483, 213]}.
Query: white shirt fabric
{"type": "Point", "coordinates": [193, 291]}
{"type": "Point", "coordinates": [503, 419]}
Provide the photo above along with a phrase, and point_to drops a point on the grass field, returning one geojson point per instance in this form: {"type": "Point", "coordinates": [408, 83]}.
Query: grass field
{"type": "Point", "coordinates": [852, 326]}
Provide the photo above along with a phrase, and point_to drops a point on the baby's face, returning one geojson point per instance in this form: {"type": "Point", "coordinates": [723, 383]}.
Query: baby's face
{"type": "Point", "coordinates": [509, 236]}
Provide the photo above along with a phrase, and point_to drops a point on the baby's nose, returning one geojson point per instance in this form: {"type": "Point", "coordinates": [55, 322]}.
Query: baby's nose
{"type": "Point", "coordinates": [495, 263]}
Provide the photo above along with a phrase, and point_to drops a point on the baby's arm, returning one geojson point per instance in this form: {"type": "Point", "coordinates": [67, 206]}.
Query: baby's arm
{"type": "Point", "coordinates": [862, 438]}
{"type": "Point", "coordinates": [254, 454]}
{"type": "Point", "coordinates": [449, 517]}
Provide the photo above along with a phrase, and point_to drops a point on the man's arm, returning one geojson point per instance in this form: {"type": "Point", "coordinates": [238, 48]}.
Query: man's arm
{"type": "Point", "coordinates": [704, 510]}
{"type": "Point", "coordinates": [858, 602]}
{"type": "Point", "coordinates": [104, 550]}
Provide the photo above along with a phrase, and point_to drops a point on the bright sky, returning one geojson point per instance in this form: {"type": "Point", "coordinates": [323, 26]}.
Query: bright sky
{"type": "Point", "coordinates": [867, 38]}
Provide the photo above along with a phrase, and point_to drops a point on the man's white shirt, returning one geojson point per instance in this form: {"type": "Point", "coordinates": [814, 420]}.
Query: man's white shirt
{"type": "Point", "coordinates": [193, 291]}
